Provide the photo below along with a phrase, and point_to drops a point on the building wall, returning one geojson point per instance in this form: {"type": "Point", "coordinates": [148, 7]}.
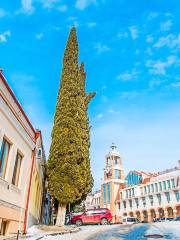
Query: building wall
{"type": "Point", "coordinates": [17, 130]}
{"type": "Point", "coordinates": [148, 201]}
{"type": "Point", "coordinates": [12, 198]}
{"type": "Point", "coordinates": [37, 187]}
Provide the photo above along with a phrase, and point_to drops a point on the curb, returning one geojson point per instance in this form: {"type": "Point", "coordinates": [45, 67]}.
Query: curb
{"type": "Point", "coordinates": [58, 233]}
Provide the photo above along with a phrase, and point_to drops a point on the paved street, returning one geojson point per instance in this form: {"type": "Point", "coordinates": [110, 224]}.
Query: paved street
{"type": "Point", "coordinates": [170, 230]}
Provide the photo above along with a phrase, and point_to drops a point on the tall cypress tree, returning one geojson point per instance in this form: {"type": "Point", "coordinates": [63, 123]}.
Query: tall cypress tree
{"type": "Point", "coordinates": [68, 168]}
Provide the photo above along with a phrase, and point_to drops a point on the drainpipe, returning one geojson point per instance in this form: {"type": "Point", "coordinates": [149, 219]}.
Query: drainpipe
{"type": "Point", "coordinates": [29, 189]}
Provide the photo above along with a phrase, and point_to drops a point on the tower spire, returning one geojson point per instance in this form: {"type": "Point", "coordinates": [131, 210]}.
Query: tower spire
{"type": "Point", "coordinates": [113, 146]}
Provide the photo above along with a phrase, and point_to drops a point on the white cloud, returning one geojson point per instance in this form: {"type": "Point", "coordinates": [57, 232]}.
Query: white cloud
{"type": "Point", "coordinates": [100, 115]}
{"type": "Point", "coordinates": [159, 67]}
{"type": "Point", "coordinates": [122, 35]}
{"type": "Point", "coordinates": [104, 87]}
{"type": "Point", "coordinates": [73, 22]}
{"type": "Point", "coordinates": [129, 94]}
{"type": "Point", "coordinates": [49, 3]}
{"type": "Point", "coordinates": [152, 15]}
{"type": "Point", "coordinates": [91, 24]}
{"type": "Point", "coordinates": [175, 84]}
{"type": "Point", "coordinates": [137, 52]}
{"type": "Point", "coordinates": [149, 39]}
{"type": "Point", "coordinates": [112, 111]}
{"type": "Point", "coordinates": [3, 13]}
{"type": "Point", "coordinates": [26, 7]}
{"type": "Point", "coordinates": [170, 41]}
{"type": "Point", "coordinates": [155, 82]}
{"type": "Point", "coordinates": [101, 48]}
{"type": "Point", "coordinates": [128, 75]}
{"type": "Point", "coordinates": [63, 8]}
{"type": "Point", "coordinates": [82, 4]}
{"type": "Point", "coordinates": [4, 36]}
{"type": "Point", "coordinates": [39, 36]}
{"type": "Point", "coordinates": [148, 51]}
{"type": "Point", "coordinates": [134, 32]}
{"type": "Point", "coordinates": [165, 26]}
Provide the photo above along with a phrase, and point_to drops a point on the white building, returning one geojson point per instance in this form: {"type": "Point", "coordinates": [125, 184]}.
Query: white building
{"type": "Point", "coordinates": [93, 200]}
{"type": "Point", "coordinates": [157, 196]}
{"type": "Point", "coordinates": [96, 200]}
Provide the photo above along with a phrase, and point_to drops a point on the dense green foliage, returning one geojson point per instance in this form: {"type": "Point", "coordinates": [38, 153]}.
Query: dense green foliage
{"type": "Point", "coordinates": [68, 168]}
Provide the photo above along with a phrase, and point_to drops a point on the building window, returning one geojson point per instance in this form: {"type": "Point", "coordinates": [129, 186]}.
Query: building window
{"type": "Point", "coordinates": [4, 153]}
{"type": "Point", "coordinates": [173, 183]}
{"type": "Point", "coordinates": [117, 174]}
{"type": "Point", "coordinates": [164, 185]}
{"type": "Point", "coordinates": [17, 168]}
{"type": "Point", "coordinates": [152, 187]}
{"type": "Point", "coordinates": [109, 162]}
{"type": "Point", "coordinates": [168, 197]}
{"type": "Point", "coordinates": [126, 193]}
{"type": "Point", "coordinates": [145, 189]}
{"type": "Point", "coordinates": [116, 161]}
{"type": "Point", "coordinates": [159, 198]}
{"type": "Point", "coordinates": [148, 188]}
{"type": "Point", "coordinates": [169, 184]}
{"type": "Point", "coordinates": [156, 186]}
{"type": "Point", "coordinates": [177, 194]}
{"type": "Point", "coordinates": [130, 203]}
{"type": "Point", "coordinates": [160, 186]}
{"type": "Point", "coordinates": [130, 193]}
{"type": "Point", "coordinates": [124, 203]}
{"type": "Point", "coordinates": [141, 191]}
{"type": "Point", "coordinates": [121, 195]}
{"type": "Point", "coordinates": [151, 200]}
{"type": "Point", "coordinates": [133, 192]}
{"type": "Point", "coordinates": [109, 192]}
{"type": "Point", "coordinates": [137, 202]}
{"type": "Point", "coordinates": [104, 191]}
{"type": "Point", "coordinates": [144, 201]}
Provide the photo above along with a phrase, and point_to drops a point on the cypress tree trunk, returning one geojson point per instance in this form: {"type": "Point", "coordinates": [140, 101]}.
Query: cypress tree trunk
{"type": "Point", "coordinates": [61, 215]}
{"type": "Point", "coordinates": [68, 168]}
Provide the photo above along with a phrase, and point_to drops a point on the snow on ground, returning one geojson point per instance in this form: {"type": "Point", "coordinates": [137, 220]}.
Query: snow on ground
{"type": "Point", "coordinates": [84, 233]}
{"type": "Point", "coordinates": [171, 230]}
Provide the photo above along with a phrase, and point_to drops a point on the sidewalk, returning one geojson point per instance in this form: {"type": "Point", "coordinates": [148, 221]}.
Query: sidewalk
{"type": "Point", "coordinates": [38, 232]}
{"type": "Point", "coordinates": [8, 237]}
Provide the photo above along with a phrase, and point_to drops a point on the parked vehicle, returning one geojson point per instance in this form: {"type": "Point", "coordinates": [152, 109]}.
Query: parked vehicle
{"type": "Point", "coordinates": [177, 218]}
{"type": "Point", "coordinates": [169, 219]}
{"type": "Point", "coordinates": [92, 216]}
{"type": "Point", "coordinates": [129, 220]}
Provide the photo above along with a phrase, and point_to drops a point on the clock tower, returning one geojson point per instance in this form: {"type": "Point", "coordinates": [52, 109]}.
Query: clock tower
{"type": "Point", "coordinates": [113, 179]}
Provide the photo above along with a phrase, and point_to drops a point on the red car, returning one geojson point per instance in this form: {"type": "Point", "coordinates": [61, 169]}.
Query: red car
{"type": "Point", "coordinates": [100, 215]}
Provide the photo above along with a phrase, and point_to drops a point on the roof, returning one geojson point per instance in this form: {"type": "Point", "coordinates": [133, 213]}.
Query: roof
{"type": "Point", "coordinates": [15, 100]}
{"type": "Point", "coordinates": [144, 174]}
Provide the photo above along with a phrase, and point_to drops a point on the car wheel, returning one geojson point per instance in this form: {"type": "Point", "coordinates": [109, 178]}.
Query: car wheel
{"type": "Point", "coordinates": [104, 221]}
{"type": "Point", "coordinates": [79, 222]}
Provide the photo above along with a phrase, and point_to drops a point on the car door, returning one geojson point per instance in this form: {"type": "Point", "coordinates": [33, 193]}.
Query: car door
{"type": "Point", "coordinates": [98, 214]}
{"type": "Point", "coordinates": [88, 217]}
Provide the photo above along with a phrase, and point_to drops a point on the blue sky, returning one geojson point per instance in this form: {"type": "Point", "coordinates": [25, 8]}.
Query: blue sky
{"type": "Point", "coordinates": [131, 54]}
